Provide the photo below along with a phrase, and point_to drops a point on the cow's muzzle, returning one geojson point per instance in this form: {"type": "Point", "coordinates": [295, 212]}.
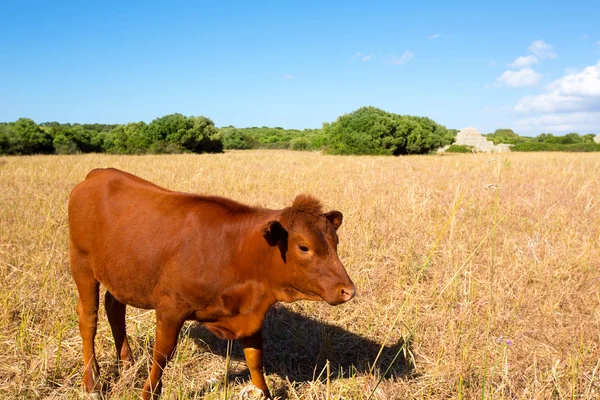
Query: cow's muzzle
{"type": "Point", "coordinates": [343, 293]}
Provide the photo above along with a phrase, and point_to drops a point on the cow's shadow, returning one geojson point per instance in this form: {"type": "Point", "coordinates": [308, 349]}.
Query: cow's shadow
{"type": "Point", "coordinates": [297, 348]}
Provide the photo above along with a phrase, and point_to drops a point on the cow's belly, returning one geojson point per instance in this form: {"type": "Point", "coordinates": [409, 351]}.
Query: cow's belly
{"type": "Point", "coordinates": [125, 296]}
{"type": "Point", "coordinates": [131, 286]}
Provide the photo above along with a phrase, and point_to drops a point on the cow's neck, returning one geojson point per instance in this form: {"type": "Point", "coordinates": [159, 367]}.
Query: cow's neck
{"type": "Point", "coordinates": [248, 287]}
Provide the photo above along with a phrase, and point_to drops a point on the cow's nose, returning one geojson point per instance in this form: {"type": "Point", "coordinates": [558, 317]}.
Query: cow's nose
{"type": "Point", "coordinates": [348, 292]}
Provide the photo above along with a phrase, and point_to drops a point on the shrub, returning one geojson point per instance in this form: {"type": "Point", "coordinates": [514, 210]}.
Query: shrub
{"type": "Point", "coordinates": [370, 130]}
{"type": "Point", "coordinates": [545, 146]}
{"type": "Point", "coordinates": [505, 136]}
{"type": "Point", "coordinates": [234, 139]}
{"type": "Point", "coordinates": [25, 137]}
{"type": "Point", "coordinates": [178, 133]}
{"type": "Point", "coordinates": [459, 148]}
{"type": "Point", "coordinates": [301, 143]}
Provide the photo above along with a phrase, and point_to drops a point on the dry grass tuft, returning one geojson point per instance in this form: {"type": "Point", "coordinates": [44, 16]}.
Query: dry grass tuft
{"type": "Point", "coordinates": [477, 277]}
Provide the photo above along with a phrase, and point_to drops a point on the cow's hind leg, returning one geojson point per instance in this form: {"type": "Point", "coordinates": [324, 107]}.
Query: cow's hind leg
{"type": "Point", "coordinates": [87, 309]}
{"type": "Point", "coordinates": [115, 310]}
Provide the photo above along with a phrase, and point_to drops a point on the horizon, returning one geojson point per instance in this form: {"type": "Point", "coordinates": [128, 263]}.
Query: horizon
{"type": "Point", "coordinates": [297, 129]}
{"type": "Point", "coordinates": [299, 65]}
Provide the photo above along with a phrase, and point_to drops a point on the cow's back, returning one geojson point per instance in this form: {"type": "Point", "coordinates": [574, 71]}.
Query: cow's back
{"type": "Point", "coordinates": [104, 202]}
{"type": "Point", "coordinates": [128, 231]}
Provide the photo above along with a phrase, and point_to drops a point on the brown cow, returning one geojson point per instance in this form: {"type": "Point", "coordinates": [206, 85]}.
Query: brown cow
{"type": "Point", "coordinates": [190, 257]}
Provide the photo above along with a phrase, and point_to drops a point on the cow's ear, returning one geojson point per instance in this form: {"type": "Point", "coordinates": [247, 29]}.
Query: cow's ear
{"type": "Point", "coordinates": [335, 217]}
{"type": "Point", "coordinates": [274, 232]}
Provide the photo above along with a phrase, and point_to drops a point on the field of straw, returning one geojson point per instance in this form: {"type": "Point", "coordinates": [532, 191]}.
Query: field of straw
{"type": "Point", "coordinates": [478, 276]}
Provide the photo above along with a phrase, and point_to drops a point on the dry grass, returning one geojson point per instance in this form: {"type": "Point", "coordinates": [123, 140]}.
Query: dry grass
{"type": "Point", "coordinates": [481, 272]}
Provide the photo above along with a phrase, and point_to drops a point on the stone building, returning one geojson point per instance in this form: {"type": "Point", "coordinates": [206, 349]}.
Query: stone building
{"type": "Point", "coordinates": [471, 137]}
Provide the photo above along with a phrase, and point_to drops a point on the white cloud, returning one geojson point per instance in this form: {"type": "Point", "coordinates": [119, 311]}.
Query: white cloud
{"type": "Point", "coordinates": [486, 86]}
{"type": "Point", "coordinates": [522, 78]}
{"type": "Point", "coordinates": [585, 83]}
{"type": "Point", "coordinates": [288, 76]}
{"type": "Point", "coordinates": [542, 49]}
{"type": "Point", "coordinates": [569, 104]}
{"type": "Point", "coordinates": [403, 59]}
{"type": "Point", "coordinates": [434, 36]}
{"type": "Point", "coordinates": [363, 57]}
{"type": "Point", "coordinates": [492, 63]}
{"type": "Point", "coordinates": [573, 92]}
{"type": "Point", "coordinates": [585, 36]}
{"type": "Point", "coordinates": [524, 61]}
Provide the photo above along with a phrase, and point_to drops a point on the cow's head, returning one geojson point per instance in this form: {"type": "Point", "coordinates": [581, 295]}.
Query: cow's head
{"type": "Point", "coordinates": [306, 242]}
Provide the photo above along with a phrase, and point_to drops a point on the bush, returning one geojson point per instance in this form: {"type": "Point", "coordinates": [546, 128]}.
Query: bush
{"type": "Point", "coordinates": [301, 143]}
{"type": "Point", "coordinates": [128, 139]}
{"type": "Point", "coordinates": [25, 137]}
{"type": "Point", "coordinates": [545, 146]}
{"type": "Point", "coordinates": [459, 148]}
{"type": "Point", "coordinates": [507, 136]}
{"type": "Point", "coordinates": [272, 138]}
{"type": "Point", "coordinates": [63, 145]}
{"type": "Point", "coordinates": [234, 139]}
{"type": "Point", "coordinates": [178, 133]}
{"type": "Point", "coordinates": [4, 145]}
{"type": "Point", "coordinates": [370, 130]}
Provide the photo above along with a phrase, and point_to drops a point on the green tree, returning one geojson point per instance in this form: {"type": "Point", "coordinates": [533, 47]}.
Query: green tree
{"type": "Point", "coordinates": [177, 133]}
{"type": "Point", "coordinates": [4, 144]}
{"type": "Point", "coordinates": [26, 137]}
{"type": "Point", "coordinates": [234, 139]}
{"type": "Point", "coordinates": [588, 138]}
{"type": "Point", "coordinates": [128, 139]}
{"type": "Point", "coordinates": [507, 136]}
{"type": "Point", "coordinates": [571, 138]}
{"type": "Point", "coordinates": [301, 143]}
{"type": "Point", "coordinates": [370, 130]}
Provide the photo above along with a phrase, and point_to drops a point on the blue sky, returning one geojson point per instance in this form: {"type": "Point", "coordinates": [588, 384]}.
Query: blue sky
{"type": "Point", "coordinates": [530, 65]}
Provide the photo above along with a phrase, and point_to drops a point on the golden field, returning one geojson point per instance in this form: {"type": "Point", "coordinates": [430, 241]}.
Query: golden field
{"type": "Point", "coordinates": [478, 276]}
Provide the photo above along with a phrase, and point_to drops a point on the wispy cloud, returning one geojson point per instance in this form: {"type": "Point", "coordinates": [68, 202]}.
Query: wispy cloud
{"type": "Point", "coordinates": [492, 63]}
{"type": "Point", "coordinates": [585, 36]}
{"type": "Point", "coordinates": [524, 61]}
{"type": "Point", "coordinates": [288, 77]}
{"type": "Point", "coordinates": [402, 60]}
{"type": "Point", "coordinates": [542, 49]}
{"type": "Point", "coordinates": [363, 57]}
{"type": "Point", "coordinates": [525, 77]}
{"type": "Point", "coordinates": [434, 36]}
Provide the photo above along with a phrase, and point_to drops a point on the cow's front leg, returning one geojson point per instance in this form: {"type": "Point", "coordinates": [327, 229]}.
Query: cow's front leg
{"type": "Point", "coordinates": [253, 351]}
{"type": "Point", "coordinates": [167, 332]}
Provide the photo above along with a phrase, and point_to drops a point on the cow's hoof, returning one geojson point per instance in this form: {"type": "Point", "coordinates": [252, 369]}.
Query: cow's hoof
{"type": "Point", "coordinates": [95, 396]}
{"type": "Point", "coordinates": [251, 392]}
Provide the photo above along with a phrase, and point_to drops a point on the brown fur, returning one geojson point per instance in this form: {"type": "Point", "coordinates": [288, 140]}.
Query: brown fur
{"type": "Point", "coordinates": [190, 257]}
{"type": "Point", "coordinates": [308, 204]}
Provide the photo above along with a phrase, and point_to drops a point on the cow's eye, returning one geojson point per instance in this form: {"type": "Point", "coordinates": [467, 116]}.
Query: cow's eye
{"type": "Point", "coordinates": [303, 248]}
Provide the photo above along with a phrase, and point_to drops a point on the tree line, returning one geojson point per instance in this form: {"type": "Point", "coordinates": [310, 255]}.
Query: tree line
{"type": "Point", "coordinates": [367, 130]}
{"type": "Point", "coordinates": [571, 142]}
{"type": "Point", "coordinates": [173, 133]}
